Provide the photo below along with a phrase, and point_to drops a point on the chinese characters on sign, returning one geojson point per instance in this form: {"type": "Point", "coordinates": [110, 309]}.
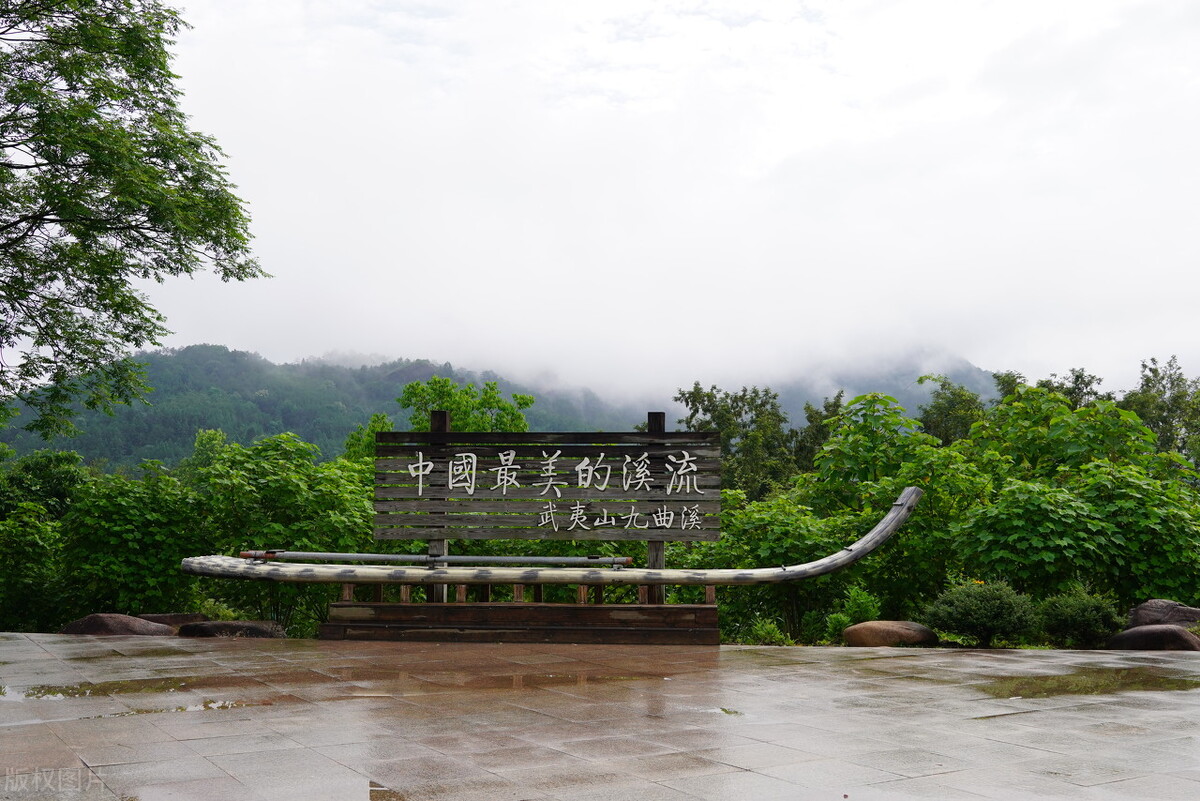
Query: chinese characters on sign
{"type": "Point", "coordinates": [603, 477]}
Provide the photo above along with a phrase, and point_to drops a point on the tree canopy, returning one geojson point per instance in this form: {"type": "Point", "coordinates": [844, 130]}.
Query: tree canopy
{"type": "Point", "coordinates": [471, 409]}
{"type": "Point", "coordinates": [102, 183]}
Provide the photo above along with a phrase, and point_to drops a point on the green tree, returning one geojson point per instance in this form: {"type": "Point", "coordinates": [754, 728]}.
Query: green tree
{"type": "Point", "coordinates": [872, 438]}
{"type": "Point", "coordinates": [951, 411]}
{"type": "Point", "coordinates": [1169, 405]}
{"type": "Point", "coordinates": [1079, 387]}
{"type": "Point", "coordinates": [123, 540]}
{"type": "Point", "coordinates": [471, 409]}
{"type": "Point", "coordinates": [757, 446]}
{"type": "Point", "coordinates": [46, 478]}
{"type": "Point", "coordinates": [817, 429]}
{"type": "Point", "coordinates": [30, 570]}
{"type": "Point", "coordinates": [1038, 432]}
{"type": "Point", "coordinates": [102, 183]}
{"type": "Point", "coordinates": [360, 443]}
{"type": "Point", "coordinates": [275, 494]}
{"type": "Point", "coordinates": [1006, 383]}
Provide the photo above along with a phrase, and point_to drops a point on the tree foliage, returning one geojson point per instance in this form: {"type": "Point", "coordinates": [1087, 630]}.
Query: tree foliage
{"type": "Point", "coordinates": [757, 446]}
{"type": "Point", "coordinates": [951, 411]}
{"type": "Point", "coordinates": [102, 183]}
{"type": "Point", "coordinates": [1168, 403]}
{"type": "Point", "coordinates": [471, 409]}
{"type": "Point", "coordinates": [818, 426]}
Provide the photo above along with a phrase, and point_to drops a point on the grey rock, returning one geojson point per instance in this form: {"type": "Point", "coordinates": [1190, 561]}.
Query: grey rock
{"type": "Point", "coordinates": [876, 633]}
{"type": "Point", "coordinates": [231, 628]}
{"type": "Point", "coordinates": [1158, 637]}
{"type": "Point", "coordinates": [109, 624]}
{"type": "Point", "coordinates": [1160, 610]}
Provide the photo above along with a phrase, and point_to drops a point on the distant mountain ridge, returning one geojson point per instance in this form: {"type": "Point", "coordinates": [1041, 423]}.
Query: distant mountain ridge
{"type": "Point", "coordinates": [248, 397]}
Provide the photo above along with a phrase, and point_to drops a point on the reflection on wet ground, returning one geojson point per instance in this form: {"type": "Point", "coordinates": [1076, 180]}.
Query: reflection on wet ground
{"type": "Point", "coordinates": [144, 718]}
{"type": "Point", "coordinates": [1090, 681]}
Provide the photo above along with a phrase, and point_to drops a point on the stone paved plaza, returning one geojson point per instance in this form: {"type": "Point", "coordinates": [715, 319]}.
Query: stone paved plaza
{"type": "Point", "coordinates": [169, 718]}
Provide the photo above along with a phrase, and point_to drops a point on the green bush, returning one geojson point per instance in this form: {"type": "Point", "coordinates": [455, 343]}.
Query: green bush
{"type": "Point", "coordinates": [983, 612]}
{"type": "Point", "coordinates": [1079, 619]}
{"type": "Point", "coordinates": [30, 563]}
{"type": "Point", "coordinates": [123, 540]}
{"type": "Point", "coordinates": [857, 606]}
{"type": "Point", "coordinates": [835, 624]}
{"type": "Point", "coordinates": [860, 605]}
{"type": "Point", "coordinates": [763, 631]}
{"type": "Point", "coordinates": [812, 627]}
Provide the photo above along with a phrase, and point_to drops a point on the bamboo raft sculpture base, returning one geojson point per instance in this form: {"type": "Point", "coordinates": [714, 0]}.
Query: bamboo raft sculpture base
{"type": "Point", "coordinates": [437, 486]}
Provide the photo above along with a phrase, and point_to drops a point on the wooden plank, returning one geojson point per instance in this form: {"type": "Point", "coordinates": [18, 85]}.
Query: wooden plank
{"type": "Point", "coordinates": [655, 560]}
{"type": "Point", "coordinates": [383, 438]}
{"type": "Point", "coordinates": [520, 614]}
{"type": "Point", "coordinates": [546, 533]}
{"type": "Point", "coordinates": [562, 517]}
{"type": "Point", "coordinates": [413, 506]}
{"type": "Point", "coordinates": [591, 636]}
{"type": "Point", "coordinates": [565, 457]}
{"type": "Point", "coordinates": [439, 424]}
{"type": "Point", "coordinates": [711, 494]}
{"type": "Point", "coordinates": [656, 551]}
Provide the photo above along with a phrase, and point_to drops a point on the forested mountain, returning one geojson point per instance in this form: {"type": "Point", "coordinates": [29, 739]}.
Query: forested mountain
{"type": "Point", "coordinates": [247, 397]}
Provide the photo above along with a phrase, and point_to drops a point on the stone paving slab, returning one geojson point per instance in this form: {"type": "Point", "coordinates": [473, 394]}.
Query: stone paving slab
{"type": "Point", "coordinates": [124, 718]}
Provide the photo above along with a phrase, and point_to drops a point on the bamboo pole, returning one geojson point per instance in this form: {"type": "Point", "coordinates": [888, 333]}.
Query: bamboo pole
{"type": "Point", "coordinates": [233, 567]}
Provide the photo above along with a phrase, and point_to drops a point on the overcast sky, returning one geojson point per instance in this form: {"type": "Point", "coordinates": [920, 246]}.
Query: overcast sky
{"type": "Point", "coordinates": [639, 193]}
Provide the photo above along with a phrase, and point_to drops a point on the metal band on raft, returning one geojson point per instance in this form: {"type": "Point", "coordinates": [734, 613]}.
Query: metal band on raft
{"type": "Point", "coordinates": [233, 567]}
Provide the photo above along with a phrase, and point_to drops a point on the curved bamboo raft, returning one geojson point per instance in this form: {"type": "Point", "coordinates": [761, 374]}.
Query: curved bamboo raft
{"type": "Point", "coordinates": [305, 573]}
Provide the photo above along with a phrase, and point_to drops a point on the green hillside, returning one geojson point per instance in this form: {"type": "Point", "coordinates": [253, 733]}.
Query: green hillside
{"type": "Point", "coordinates": [247, 397]}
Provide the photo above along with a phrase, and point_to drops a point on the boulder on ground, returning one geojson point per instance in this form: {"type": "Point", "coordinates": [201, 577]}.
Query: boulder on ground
{"type": "Point", "coordinates": [175, 619]}
{"type": "Point", "coordinates": [1160, 610]}
{"type": "Point", "coordinates": [231, 628]}
{"type": "Point", "coordinates": [875, 633]}
{"type": "Point", "coordinates": [1159, 637]}
{"type": "Point", "coordinates": [108, 624]}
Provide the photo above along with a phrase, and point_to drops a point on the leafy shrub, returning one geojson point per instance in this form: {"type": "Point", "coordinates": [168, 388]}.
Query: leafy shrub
{"type": "Point", "coordinates": [857, 606]}
{"type": "Point", "coordinates": [983, 612]}
{"type": "Point", "coordinates": [1079, 619]}
{"type": "Point", "coordinates": [30, 558]}
{"type": "Point", "coordinates": [1041, 536]}
{"type": "Point", "coordinates": [835, 624]}
{"type": "Point", "coordinates": [812, 627]}
{"type": "Point", "coordinates": [775, 531]}
{"type": "Point", "coordinates": [763, 631]}
{"type": "Point", "coordinates": [860, 605]}
{"type": "Point", "coordinates": [124, 539]}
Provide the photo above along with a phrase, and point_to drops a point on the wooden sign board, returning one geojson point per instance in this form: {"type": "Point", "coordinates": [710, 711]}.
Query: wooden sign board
{"type": "Point", "coordinates": [564, 486]}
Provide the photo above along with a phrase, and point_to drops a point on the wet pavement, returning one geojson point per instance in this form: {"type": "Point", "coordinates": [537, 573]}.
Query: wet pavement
{"type": "Point", "coordinates": [165, 718]}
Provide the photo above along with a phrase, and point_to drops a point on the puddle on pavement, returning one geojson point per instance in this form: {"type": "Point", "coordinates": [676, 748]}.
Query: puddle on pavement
{"type": "Point", "coordinates": [1088, 681]}
{"type": "Point", "coordinates": [200, 707]}
{"type": "Point", "coordinates": [151, 653]}
{"type": "Point", "coordinates": [157, 684]}
{"type": "Point", "coordinates": [521, 681]}
{"type": "Point", "coordinates": [52, 692]}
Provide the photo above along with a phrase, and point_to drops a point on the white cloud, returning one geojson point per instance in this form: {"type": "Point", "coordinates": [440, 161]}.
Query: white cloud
{"type": "Point", "coordinates": [648, 193]}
